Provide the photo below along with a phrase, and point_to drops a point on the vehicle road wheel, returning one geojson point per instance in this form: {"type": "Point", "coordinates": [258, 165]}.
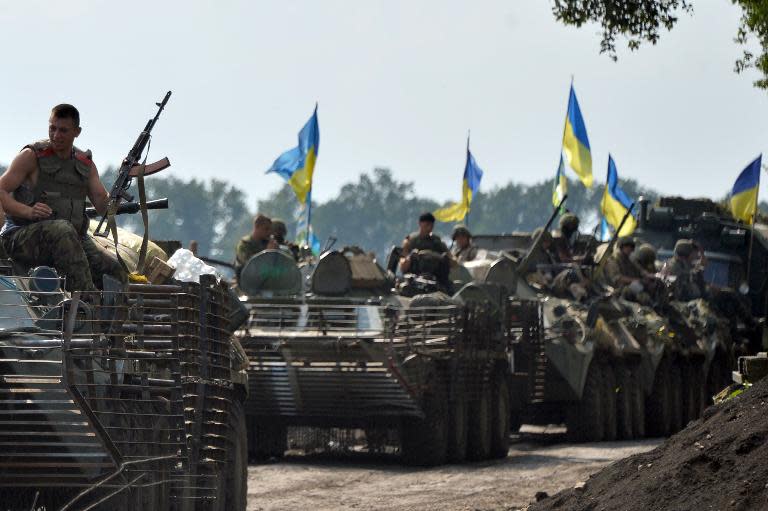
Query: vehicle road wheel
{"type": "Point", "coordinates": [585, 421]}
{"type": "Point", "coordinates": [480, 429]}
{"type": "Point", "coordinates": [637, 403]}
{"type": "Point", "coordinates": [657, 412]}
{"type": "Point", "coordinates": [624, 423]}
{"type": "Point", "coordinates": [501, 415]}
{"type": "Point", "coordinates": [237, 461]}
{"type": "Point", "coordinates": [457, 428]}
{"type": "Point", "coordinates": [424, 441]}
{"type": "Point", "coordinates": [609, 403]}
{"type": "Point", "coordinates": [698, 383]}
{"type": "Point", "coordinates": [265, 440]}
{"type": "Point", "coordinates": [676, 397]}
{"type": "Point", "coordinates": [689, 390]}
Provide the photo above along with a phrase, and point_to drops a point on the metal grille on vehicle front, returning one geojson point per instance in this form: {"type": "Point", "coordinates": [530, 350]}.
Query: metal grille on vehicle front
{"type": "Point", "coordinates": [134, 391]}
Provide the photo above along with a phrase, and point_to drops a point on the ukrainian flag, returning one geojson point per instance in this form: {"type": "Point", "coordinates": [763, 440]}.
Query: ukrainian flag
{"type": "Point", "coordinates": [456, 212]}
{"type": "Point", "coordinates": [616, 203]}
{"type": "Point", "coordinates": [744, 192]}
{"type": "Point", "coordinates": [298, 164]}
{"type": "Point", "coordinates": [560, 187]}
{"type": "Point", "coordinates": [576, 143]}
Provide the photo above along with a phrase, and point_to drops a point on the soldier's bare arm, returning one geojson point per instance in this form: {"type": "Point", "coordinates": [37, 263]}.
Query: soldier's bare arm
{"type": "Point", "coordinates": [97, 194]}
{"type": "Point", "coordinates": [22, 170]}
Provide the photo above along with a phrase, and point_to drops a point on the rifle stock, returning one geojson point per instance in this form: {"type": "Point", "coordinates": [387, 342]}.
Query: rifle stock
{"type": "Point", "coordinates": [130, 167]}
{"type": "Point", "coordinates": [522, 267]}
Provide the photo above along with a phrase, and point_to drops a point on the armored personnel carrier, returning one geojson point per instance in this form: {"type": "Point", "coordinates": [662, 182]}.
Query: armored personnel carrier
{"type": "Point", "coordinates": [128, 398]}
{"type": "Point", "coordinates": [606, 367]}
{"type": "Point", "coordinates": [330, 346]}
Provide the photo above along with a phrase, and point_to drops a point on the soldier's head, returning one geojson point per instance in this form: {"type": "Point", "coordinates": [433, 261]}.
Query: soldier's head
{"type": "Point", "coordinates": [262, 227]}
{"type": "Point", "coordinates": [426, 223]}
{"type": "Point", "coordinates": [626, 245]}
{"type": "Point", "coordinates": [569, 224]}
{"type": "Point", "coordinates": [684, 249]}
{"type": "Point", "coordinates": [546, 237]}
{"type": "Point", "coordinates": [63, 127]}
{"type": "Point", "coordinates": [461, 235]}
{"type": "Point", "coordinates": [279, 230]}
{"type": "Point", "coordinates": [645, 257]}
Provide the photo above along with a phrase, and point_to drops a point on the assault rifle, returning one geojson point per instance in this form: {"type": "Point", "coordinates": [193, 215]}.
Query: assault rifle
{"type": "Point", "coordinates": [614, 238]}
{"type": "Point", "coordinates": [129, 208]}
{"type": "Point", "coordinates": [522, 267]}
{"type": "Point", "coordinates": [131, 168]}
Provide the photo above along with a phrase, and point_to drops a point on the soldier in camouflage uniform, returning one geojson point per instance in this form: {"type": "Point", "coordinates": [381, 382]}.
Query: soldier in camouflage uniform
{"type": "Point", "coordinates": [463, 249]}
{"type": "Point", "coordinates": [624, 275]}
{"type": "Point", "coordinates": [43, 193]}
{"type": "Point", "coordinates": [251, 244]}
{"type": "Point", "coordinates": [681, 272]}
{"type": "Point", "coordinates": [564, 243]}
{"type": "Point", "coordinates": [423, 239]}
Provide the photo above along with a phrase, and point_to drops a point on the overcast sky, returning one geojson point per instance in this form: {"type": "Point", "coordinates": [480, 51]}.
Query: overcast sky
{"type": "Point", "coordinates": [398, 84]}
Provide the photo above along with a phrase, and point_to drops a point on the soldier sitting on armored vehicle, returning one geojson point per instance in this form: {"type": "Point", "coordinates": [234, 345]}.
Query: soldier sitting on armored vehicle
{"type": "Point", "coordinates": [43, 193]}
{"type": "Point", "coordinates": [279, 233]}
{"type": "Point", "coordinates": [463, 249]}
{"type": "Point", "coordinates": [425, 256]}
{"type": "Point", "coordinates": [682, 273]}
{"type": "Point", "coordinates": [564, 244]}
{"type": "Point", "coordinates": [625, 276]}
{"type": "Point", "coordinates": [253, 243]}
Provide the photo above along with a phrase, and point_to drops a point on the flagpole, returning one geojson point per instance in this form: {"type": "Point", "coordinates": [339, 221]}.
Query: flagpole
{"type": "Point", "coordinates": [565, 124]}
{"type": "Point", "coordinates": [752, 234]}
{"type": "Point", "coordinates": [466, 162]}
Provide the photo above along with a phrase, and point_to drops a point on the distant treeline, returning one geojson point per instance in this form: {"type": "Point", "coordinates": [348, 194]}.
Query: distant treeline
{"type": "Point", "coordinates": [374, 212]}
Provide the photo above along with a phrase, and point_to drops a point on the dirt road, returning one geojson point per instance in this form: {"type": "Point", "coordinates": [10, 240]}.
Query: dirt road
{"type": "Point", "coordinates": [362, 482]}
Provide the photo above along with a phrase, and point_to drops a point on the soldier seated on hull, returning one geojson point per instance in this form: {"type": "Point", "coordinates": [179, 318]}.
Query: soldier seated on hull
{"type": "Point", "coordinates": [423, 239]}
{"type": "Point", "coordinates": [463, 249]}
{"type": "Point", "coordinates": [279, 233]}
{"type": "Point", "coordinates": [251, 244]}
{"type": "Point", "coordinates": [683, 272]}
{"type": "Point", "coordinates": [624, 275]}
{"type": "Point", "coordinates": [43, 193]}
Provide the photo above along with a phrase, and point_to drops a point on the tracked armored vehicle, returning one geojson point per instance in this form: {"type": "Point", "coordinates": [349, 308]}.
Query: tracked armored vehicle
{"type": "Point", "coordinates": [332, 347]}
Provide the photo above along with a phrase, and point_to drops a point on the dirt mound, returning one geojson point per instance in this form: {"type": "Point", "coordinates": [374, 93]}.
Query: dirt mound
{"type": "Point", "coordinates": [718, 462]}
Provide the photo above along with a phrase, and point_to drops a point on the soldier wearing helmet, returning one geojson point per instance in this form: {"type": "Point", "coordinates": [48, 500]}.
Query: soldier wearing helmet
{"type": "Point", "coordinates": [463, 249]}
{"type": "Point", "coordinates": [645, 258]}
{"type": "Point", "coordinates": [624, 275]}
{"type": "Point", "coordinates": [565, 243]}
{"type": "Point", "coordinates": [681, 272]}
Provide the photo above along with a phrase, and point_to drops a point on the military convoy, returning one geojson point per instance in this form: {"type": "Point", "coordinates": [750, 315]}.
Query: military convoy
{"type": "Point", "coordinates": [128, 398]}
{"type": "Point", "coordinates": [612, 368]}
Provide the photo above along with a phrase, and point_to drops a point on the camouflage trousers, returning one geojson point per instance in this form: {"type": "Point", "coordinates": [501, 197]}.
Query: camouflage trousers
{"type": "Point", "coordinates": [56, 243]}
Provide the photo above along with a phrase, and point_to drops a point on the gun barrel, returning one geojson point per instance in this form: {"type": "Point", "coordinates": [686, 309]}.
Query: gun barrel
{"type": "Point", "coordinates": [132, 207]}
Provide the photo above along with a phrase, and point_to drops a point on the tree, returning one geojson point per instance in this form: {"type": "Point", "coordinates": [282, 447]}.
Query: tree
{"type": "Point", "coordinates": [374, 213]}
{"type": "Point", "coordinates": [643, 20]}
{"type": "Point", "coordinates": [214, 213]}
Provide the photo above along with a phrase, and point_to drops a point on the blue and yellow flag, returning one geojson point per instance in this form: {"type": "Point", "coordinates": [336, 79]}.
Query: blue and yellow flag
{"type": "Point", "coordinates": [616, 203]}
{"type": "Point", "coordinates": [576, 143]}
{"type": "Point", "coordinates": [298, 164]}
{"type": "Point", "coordinates": [560, 187]}
{"type": "Point", "coordinates": [605, 230]}
{"type": "Point", "coordinates": [744, 192]}
{"type": "Point", "coordinates": [458, 210]}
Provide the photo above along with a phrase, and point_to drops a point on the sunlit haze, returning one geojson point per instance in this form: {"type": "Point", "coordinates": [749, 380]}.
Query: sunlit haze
{"type": "Point", "coordinates": [399, 84]}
